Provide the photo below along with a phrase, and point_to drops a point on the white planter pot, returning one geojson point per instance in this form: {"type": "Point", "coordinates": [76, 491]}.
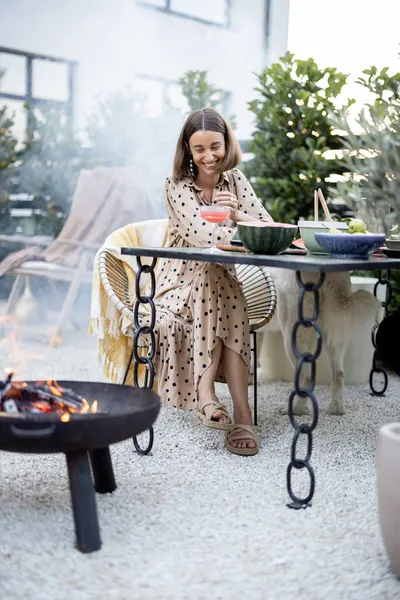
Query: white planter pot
{"type": "Point", "coordinates": [388, 469]}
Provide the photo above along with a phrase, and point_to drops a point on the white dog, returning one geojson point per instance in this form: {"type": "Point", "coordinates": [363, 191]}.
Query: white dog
{"type": "Point", "coordinates": [343, 315]}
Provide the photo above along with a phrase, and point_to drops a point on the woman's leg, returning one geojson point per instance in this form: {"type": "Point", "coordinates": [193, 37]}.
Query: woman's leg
{"type": "Point", "coordinates": [236, 373]}
{"type": "Point", "coordinates": [220, 322]}
{"type": "Point", "coordinates": [206, 385]}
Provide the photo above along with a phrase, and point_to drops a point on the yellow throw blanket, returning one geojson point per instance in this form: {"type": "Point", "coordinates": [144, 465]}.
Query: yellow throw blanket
{"type": "Point", "coordinates": [113, 330]}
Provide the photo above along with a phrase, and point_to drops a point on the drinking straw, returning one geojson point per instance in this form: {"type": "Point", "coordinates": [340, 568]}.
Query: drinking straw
{"type": "Point", "coordinates": [315, 205]}
{"type": "Point", "coordinates": [324, 205]}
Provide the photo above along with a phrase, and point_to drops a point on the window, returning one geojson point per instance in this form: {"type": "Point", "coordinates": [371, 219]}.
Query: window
{"type": "Point", "coordinates": [34, 79]}
{"type": "Point", "coordinates": [211, 12]}
{"type": "Point", "coordinates": [17, 112]}
{"type": "Point", "coordinates": [13, 69]}
{"type": "Point", "coordinates": [50, 80]}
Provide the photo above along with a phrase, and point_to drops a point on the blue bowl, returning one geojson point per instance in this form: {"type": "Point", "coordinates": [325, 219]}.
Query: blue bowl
{"type": "Point", "coordinates": [354, 245]}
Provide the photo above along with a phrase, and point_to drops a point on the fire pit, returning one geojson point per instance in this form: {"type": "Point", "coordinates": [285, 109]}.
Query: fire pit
{"type": "Point", "coordinates": [122, 412]}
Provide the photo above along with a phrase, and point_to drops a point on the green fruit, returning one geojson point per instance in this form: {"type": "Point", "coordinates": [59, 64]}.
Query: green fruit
{"type": "Point", "coordinates": [266, 238]}
{"type": "Point", "coordinates": [334, 231]}
{"type": "Point", "coordinates": [357, 226]}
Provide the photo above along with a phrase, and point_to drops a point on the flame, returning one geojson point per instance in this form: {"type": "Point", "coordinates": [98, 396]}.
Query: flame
{"type": "Point", "coordinates": [42, 406]}
{"type": "Point", "coordinates": [55, 341]}
{"type": "Point", "coordinates": [10, 336]}
{"type": "Point", "coordinates": [64, 410]}
{"type": "Point", "coordinates": [8, 371]}
{"type": "Point", "coordinates": [55, 391]}
{"type": "Point", "coordinates": [54, 387]}
{"type": "Point", "coordinates": [10, 340]}
{"type": "Point", "coordinates": [58, 386]}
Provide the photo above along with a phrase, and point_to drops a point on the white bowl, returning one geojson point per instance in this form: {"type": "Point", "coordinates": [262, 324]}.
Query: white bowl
{"type": "Point", "coordinates": [392, 244]}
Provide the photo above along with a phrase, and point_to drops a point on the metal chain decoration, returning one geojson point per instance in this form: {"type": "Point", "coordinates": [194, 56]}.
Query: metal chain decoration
{"type": "Point", "coordinates": [303, 360]}
{"type": "Point", "coordinates": [144, 330]}
{"type": "Point", "coordinates": [376, 370]}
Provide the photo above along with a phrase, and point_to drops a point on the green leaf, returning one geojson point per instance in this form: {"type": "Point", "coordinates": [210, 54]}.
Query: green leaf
{"type": "Point", "coordinates": [294, 97]}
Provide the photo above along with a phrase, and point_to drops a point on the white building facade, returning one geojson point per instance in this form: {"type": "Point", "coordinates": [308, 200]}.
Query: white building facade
{"type": "Point", "coordinates": [146, 44]}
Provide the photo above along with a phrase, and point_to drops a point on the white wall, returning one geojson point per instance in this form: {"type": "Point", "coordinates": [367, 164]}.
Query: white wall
{"type": "Point", "coordinates": [278, 30]}
{"type": "Point", "coordinates": [350, 35]}
{"type": "Point", "coordinates": [114, 40]}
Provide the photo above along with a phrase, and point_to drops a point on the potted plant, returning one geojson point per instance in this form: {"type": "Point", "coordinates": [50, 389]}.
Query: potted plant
{"type": "Point", "coordinates": [199, 93]}
{"type": "Point", "coordinates": [8, 158]}
{"type": "Point", "coordinates": [371, 159]}
{"type": "Point", "coordinates": [294, 136]}
{"type": "Point", "coordinates": [388, 469]}
{"type": "Point", "coordinates": [372, 162]}
{"type": "Point", "coordinates": [372, 152]}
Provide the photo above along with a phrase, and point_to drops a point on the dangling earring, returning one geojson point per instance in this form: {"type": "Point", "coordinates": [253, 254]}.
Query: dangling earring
{"type": "Point", "coordinates": [191, 168]}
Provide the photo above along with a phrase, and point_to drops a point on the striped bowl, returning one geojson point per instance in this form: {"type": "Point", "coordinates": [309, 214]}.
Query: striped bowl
{"type": "Point", "coordinates": [266, 238]}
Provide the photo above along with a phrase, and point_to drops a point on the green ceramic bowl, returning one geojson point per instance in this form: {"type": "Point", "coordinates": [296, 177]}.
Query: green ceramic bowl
{"type": "Point", "coordinates": [266, 238]}
{"type": "Point", "coordinates": [308, 229]}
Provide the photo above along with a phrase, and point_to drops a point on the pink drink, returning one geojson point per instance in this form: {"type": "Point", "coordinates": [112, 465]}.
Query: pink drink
{"type": "Point", "coordinates": [214, 213]}
{"type": "Point", "coordinates": [213, 216]}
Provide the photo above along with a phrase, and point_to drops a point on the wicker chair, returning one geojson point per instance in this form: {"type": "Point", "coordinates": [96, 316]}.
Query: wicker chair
{"type": "Point", "coordinates": [258, 288]}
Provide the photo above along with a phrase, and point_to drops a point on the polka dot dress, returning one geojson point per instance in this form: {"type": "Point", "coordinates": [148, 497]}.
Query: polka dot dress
{"type": "Point", "coordinates": [197, 303]}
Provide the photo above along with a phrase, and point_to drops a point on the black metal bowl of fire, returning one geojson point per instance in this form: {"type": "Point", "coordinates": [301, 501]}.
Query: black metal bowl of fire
{"type": "Point", "coordinates": [122, 412]}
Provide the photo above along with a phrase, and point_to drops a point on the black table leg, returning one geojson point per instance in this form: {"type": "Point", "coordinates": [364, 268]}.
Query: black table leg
{"type": "Point", "coordinates": [104, 480]}
{"type": "Point", "coordinates": [144, 330]}
{"type": "Point", "coordinates": [83, 502]}
{"type": "Point", "coordinates": [255, 383]}
{"type": "Point", "coordinates": [303, 360]}
{"type": "Point", "coordinates": [377, 370]}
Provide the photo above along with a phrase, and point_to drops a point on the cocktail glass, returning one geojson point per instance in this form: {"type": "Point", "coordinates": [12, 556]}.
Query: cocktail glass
{"type": "Point", "coordinates": [214, 213]}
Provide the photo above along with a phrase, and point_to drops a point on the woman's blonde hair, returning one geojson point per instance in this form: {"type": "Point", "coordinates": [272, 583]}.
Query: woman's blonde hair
{"type": "Point", "coordinates": [206, 119]}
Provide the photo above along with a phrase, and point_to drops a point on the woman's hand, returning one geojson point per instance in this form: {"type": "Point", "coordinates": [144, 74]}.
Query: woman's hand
{"type": "Point", "coordinates": [229, 200]}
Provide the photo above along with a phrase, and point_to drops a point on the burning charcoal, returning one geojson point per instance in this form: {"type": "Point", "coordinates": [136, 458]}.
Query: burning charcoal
{"type": "Point", "coordinates": [7, 382]}
{"type": "Point", "coordinates": [61, 400]}
{"type": "Point", "coordinates": [71, 394]}
{"type": "Point", "coordinates": [44, 394]}
{"type": "Point", "coordinates": [67, 397]}
{"type": "Point", "coordinates": [9, 406]}
{"type": "Point", "coordinates": [41, 397]}
{"type": "Point", "coordinates": [5, 385]}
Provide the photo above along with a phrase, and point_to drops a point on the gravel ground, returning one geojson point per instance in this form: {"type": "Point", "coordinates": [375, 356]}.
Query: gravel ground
{"type": "Point", "coordinates": [191, 521]}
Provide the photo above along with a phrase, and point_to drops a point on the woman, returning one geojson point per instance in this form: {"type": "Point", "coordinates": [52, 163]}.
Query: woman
{"type": "Point", "coordinates": [202, 325]}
